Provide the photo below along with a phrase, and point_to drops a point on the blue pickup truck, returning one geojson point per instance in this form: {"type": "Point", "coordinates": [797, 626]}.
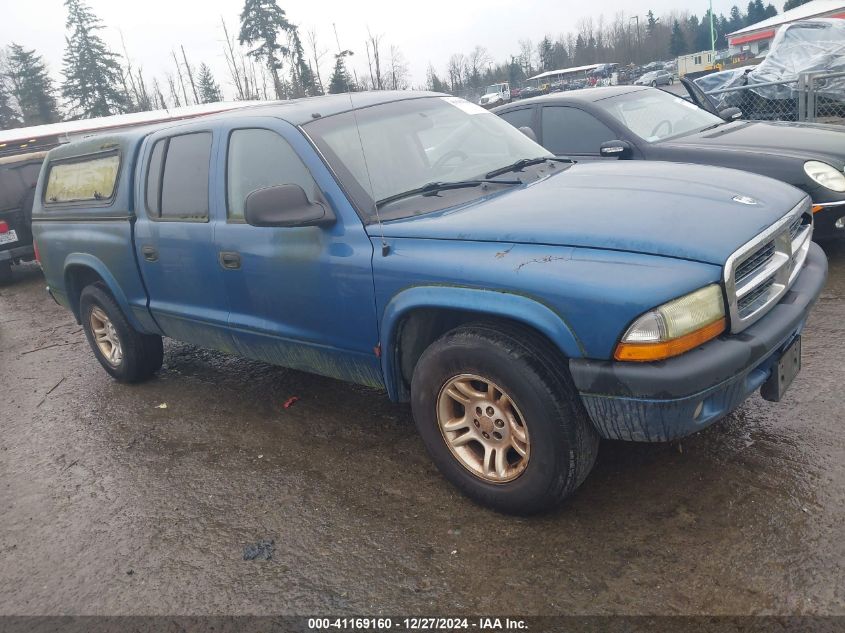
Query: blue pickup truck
{"type": "Point", "coordinates": [525, 305]}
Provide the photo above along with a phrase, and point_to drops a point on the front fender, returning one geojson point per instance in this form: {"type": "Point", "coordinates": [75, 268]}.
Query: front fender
{"type": "Point", "coordinates": [487, 303]}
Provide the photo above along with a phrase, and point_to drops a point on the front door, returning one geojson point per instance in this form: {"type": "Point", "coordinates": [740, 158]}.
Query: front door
{"type": "Point", "coordinates": [301, 297]}
{"type": "Point", "coordinates": [572, 132]}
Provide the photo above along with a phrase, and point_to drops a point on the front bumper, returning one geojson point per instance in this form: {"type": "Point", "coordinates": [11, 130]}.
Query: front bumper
{"type": "Point", "coordinates": [824, 221]}
{"type": "Point", "coordinates": [662, 401]}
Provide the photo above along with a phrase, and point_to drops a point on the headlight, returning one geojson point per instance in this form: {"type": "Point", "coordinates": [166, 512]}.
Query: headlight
{"type": "Point", "coordinates": [675, 327]}
{"type": "Point", "coordinates": [825, 175]}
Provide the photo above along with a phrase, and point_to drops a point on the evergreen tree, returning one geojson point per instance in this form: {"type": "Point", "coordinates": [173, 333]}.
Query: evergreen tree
{"type": "Point", "coordinates": [340, 81]}
{"type": "Point", "coordinates": [433, 82]}
{"type": "Point", "coordinates": [304, 81]}
{"type": "Point", "coordinates": [93, 76]}
{"type": "Point", "coordinates": [262, 23]}
{"type": "Point", "coordinates": [651, 22]}
{"type": "Point", "coordinates": [737, 19]}
{"type": "Point", "coordinates": [791, 4]}
{"type": "Point", "coordinates": [677, 41]}
{"type": "Point", "coordinates": [546, 54]}
{"type": "Point", "coordinates": [756, 11]}
{"type": "Point", "coordinates": [30, 85]}
{"type": "Point", "coordinates": [209, 90]}
{"type": "Point", "coordinates": [9, 117]}
{"type": "Point", "coordinates": [770, 11]}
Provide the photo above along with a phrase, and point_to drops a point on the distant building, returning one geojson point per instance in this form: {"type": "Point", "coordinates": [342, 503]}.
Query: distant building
{"type": "Point", "coordinates": [757, 38]}
{"type": "Point", "coordinates": [565, 74]}
{"type": "Point", "coordinates": [695, 63]}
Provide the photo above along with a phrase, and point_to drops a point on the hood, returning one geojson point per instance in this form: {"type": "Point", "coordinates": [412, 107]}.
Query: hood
{"type": "Point", "coordinates": [800, 140]}
{"type": "Point", "coordinates": [668, 209]}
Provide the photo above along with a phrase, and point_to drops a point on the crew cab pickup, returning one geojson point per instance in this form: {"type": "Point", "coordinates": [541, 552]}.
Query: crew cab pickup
{"type": "Point", "coordinates": [526, 306]}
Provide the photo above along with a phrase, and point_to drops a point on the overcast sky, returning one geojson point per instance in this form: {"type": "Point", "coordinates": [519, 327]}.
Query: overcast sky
{"type": "Point", "coordinates": [428, 31]}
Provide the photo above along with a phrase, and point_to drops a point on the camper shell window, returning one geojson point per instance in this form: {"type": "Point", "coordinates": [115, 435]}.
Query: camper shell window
{"type": "Point", "coordinates": [91, 178]}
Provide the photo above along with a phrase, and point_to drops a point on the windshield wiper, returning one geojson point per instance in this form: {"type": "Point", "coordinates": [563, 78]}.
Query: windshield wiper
{"type": "Point", "coordinates": [525, 162]}
{"type": "Point", "coordinates": [435, 187]}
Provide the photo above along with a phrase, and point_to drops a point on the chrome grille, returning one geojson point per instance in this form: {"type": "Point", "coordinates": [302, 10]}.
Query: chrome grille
{"type": "Point", "coordinates": [757, 260]}
{"type": "Point", "coordinates": [755, 298]}
{"type": "Point", "coordinates": [760, 272]}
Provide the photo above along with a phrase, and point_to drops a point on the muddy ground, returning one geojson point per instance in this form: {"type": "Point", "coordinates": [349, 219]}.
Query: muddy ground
{"type": "Point", "coordinates": [112, 505]}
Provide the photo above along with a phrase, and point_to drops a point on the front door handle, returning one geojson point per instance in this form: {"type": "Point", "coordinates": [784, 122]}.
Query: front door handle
{"type": "Point", "coordinates": [150, 253]}
{"type": "Point", "coordinates": [230, 260]}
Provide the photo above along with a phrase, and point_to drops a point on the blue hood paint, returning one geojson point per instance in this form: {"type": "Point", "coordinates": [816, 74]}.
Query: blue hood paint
{"type": "Point", "coordinates": [668, 209]}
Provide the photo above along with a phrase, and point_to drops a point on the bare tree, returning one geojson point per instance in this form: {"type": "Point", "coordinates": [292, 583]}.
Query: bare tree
{"type": "Point", "coordinates": [316, 56]}
{"type": "Point", "coordinates": [457, 70]}
{"type": "Point", "coordinates": [181, 81]}
{"type": "Point", "coordinates": [372, 43]}
{"type": "Point", "coordinates": [232, 64]}
{"type": "Point", "coordinates": [398, 69]}
{"type": "Point", "coordinates": [190, 75]}
{"type": "Point", "coordinates": [477, 61]}
{"type": "Point", "coordinates": [174, 93]}
{"type": "Point", "coordinates": [158, 97]}
{"type": "Point", "coordinates": [526, 56]}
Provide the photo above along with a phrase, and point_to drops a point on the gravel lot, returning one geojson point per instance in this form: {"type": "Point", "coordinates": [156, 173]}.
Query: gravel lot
{"type": "Point", "coordinates": [112, 504]}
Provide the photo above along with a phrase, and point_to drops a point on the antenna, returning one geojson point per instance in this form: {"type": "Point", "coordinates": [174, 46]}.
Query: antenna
{"type": "Point", "coordinates": [385, 249]}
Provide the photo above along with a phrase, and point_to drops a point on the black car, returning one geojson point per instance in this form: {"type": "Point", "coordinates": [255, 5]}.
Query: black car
{"type": "Point", "coordinates": [632, 122]}
{"type": "Point", "coordinates": [18, 175]}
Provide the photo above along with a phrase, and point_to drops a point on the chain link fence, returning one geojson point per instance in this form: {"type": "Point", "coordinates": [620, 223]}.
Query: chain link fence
{"type": "Point", "coordinates": [812, 97]}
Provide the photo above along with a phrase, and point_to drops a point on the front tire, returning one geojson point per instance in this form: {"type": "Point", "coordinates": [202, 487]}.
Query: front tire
{"type": "Point", "coordinates": [501, 419]}
{"type": "Point", "coordinates": [126, 354]}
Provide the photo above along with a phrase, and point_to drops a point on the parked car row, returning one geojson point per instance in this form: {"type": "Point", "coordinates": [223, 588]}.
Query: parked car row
{"type": "Point", "coordinates": [635, 123]}
{"type": "Point", "coordinates": [526, 291]}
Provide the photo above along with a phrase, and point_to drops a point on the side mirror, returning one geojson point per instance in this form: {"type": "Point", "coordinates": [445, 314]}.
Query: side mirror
{"type": "Point", "coordinates": [730, 114]}
{"type": "Point", "coordinates": [528, 132]}
{"type": "Point", "coordinates": [285, 205]}
{"type": "Point", "coordinates": [616, 149]}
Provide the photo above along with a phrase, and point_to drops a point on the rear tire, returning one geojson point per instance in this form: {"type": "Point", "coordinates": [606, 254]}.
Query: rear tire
{"type": "Point", "coordinates": [514, 365]}
{"type": "Point", "coordinates": [5, 273]}
{"type": "Point", "coordinates": [126, 354]}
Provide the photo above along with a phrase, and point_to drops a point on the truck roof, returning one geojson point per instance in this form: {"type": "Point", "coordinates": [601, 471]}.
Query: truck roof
{"type": "Point", "coordinates": [294, 111]}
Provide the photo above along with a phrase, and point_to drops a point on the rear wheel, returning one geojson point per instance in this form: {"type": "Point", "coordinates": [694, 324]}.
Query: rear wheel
{"type": "Point", "coordinates": [125, 353]}
{"type": "Point", "coordinates": [500, 418]}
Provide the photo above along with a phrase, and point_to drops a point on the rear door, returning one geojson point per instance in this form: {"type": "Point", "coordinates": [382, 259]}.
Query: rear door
{"type": "Point", "coordinates": [174, 236]}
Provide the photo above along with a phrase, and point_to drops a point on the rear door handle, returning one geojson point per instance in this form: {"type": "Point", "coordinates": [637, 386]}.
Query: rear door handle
{"type": "Point", "coordinates": [150, 253]}
{"type": "Point", "coordinates": [230, 260]}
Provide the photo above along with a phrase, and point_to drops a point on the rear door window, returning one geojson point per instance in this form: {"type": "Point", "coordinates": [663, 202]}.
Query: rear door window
{"type": "Point", "coordinates": [184, 178]}
{"type": "Point", "coordinates": [89, 179]}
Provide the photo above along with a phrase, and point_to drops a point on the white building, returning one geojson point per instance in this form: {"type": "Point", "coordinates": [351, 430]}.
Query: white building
{"type": "Point", "coordinates": [757, 38]}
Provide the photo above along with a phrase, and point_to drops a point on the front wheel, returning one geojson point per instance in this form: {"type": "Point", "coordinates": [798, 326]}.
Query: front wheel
{"type": "Point", "coordinates": [501, 419]}
{"type": "Point", "coordinates": [654, 84]}
{"type": "Point", "coordinates": [125, 353]}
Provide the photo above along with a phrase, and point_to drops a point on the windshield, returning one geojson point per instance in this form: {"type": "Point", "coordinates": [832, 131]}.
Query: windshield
{"type": "Point", "coordinates": [494, 88]}
{"type": "Point", "coordinates": [411, 143]}
{"type": "Point", "coordinates": [654, 115]}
